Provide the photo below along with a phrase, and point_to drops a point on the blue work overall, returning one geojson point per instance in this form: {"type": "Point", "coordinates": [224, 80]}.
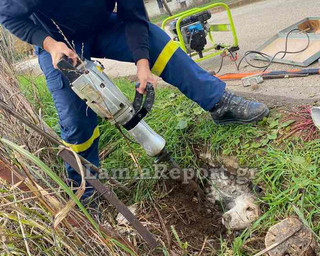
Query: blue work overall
{"type": "Point", "coordinates": [78, 124]}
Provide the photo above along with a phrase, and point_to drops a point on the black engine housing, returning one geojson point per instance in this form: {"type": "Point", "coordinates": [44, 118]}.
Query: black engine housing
{"type": "Point", "coordinates": [200, 17]}
{"type": "Point", "coordinates": [198, 41]}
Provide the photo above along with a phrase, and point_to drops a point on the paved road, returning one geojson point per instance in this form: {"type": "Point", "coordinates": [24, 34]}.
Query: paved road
{"type": "Point", "coordinates": [256, 23]}
{"type": "Point", "coordinates": [153, 8]}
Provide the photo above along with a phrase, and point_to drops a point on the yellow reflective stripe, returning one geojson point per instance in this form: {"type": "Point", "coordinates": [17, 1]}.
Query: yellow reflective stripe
{"type": "Point", "coordinates": [164, 57]}
{"type": "Point", "coordinates": [86, 145]}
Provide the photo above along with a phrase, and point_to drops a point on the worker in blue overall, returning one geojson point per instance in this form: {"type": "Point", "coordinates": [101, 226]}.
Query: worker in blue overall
{"type": "Point", "coordinates": [126, 35]}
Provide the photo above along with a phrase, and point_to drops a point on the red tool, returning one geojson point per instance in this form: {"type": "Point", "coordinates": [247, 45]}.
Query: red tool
{"type": "Point", "coordinates": [272, 74]}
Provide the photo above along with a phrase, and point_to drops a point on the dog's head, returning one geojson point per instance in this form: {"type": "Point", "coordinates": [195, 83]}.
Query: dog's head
{"type": "Point", "coordinates": [243, 214]}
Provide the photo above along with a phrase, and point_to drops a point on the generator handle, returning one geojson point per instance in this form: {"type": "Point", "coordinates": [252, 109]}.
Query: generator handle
{"type": "Point", "coordinates": [183, 15]}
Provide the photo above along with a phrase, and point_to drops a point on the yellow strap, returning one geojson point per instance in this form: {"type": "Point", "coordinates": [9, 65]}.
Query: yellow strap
{"type": "Point", "coordinates": [86, 145]}
{"type": "Point", "coordinates": [164, 57]}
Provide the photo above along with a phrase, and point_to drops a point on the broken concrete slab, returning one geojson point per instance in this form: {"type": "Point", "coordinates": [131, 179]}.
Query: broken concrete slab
{"type": "Point", "coordinates": [290, 237]}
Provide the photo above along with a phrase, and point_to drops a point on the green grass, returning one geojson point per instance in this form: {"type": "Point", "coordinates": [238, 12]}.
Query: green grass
{"type": "Point", "coordinates": [288, 170]}
{"type": "Point", "coordinates": [35, 89]}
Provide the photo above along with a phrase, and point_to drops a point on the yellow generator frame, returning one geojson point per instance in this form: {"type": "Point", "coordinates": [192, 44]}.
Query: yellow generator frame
{"type": "Point", "coordinates": [216, 49]}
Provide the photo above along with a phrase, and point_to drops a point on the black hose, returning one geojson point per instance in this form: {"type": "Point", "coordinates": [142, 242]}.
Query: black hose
{"type": "Point", "coordinates": [269, 58]}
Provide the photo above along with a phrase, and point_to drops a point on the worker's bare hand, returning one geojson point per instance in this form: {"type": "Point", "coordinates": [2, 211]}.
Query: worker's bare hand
{"type": "Point", "coordinates": [144, 75]}
{"type": "Point", "coordinates": [58, 50]}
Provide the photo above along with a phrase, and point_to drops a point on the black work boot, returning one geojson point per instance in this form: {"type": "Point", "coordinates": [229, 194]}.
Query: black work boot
{"type": "Point", "coordinates": [235, 109]}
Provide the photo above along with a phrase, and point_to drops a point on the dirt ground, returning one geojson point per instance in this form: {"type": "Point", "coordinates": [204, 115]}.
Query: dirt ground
{"type": "Point", "coordinates": [197, 223]}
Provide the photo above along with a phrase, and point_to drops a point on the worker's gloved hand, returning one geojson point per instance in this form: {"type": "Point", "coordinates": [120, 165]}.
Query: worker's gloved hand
{"type": "Point", "coordinates": [144, 75]}
{"type": "Point", "coordinates": [58, 50]}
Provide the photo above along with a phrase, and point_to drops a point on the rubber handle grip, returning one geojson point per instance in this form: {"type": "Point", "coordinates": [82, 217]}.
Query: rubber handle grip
{"type": "Point", "coordinates": [68, 70]}
{"type": "Point", "coordinates": [149, 99]}
{"type": "Point", "coordinates": [138, 100]}
{"type": "Point", "coordinates": [150, 96]}
{"type": "Point", "coordinates": [65, 63]}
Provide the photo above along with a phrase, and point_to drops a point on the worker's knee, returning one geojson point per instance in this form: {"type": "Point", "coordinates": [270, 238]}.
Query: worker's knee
{"type": "Point", "coordinates": [166, 54]}
{"type": "Point", "coordinates": [162, 48]}
{"type": "Point", "coordinates": [157, 35]}
{"type": "Point", "coordinates": [158, 40]}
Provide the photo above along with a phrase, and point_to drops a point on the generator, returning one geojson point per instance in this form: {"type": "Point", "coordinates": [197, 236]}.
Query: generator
{"type": "Point", "coordinates": [193, 32]}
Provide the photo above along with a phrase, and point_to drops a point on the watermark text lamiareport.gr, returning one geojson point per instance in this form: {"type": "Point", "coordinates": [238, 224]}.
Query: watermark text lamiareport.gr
{"type": "Point", "coordinates": [163, 172]}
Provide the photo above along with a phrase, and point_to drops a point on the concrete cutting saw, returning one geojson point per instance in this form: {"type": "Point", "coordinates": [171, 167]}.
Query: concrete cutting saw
{"type": "Point", "coordinates": [92, 85]}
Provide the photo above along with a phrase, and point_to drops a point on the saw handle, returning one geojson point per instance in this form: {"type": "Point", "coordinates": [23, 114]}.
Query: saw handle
{"type": "Point", "coordinates": [141, 108]}
{"type": "Point", "coordinates": [149, 99]}
{"type": "Point", "coordinates": [65, 63]}
{"type": "Point", "coordinates": [67, 69]}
